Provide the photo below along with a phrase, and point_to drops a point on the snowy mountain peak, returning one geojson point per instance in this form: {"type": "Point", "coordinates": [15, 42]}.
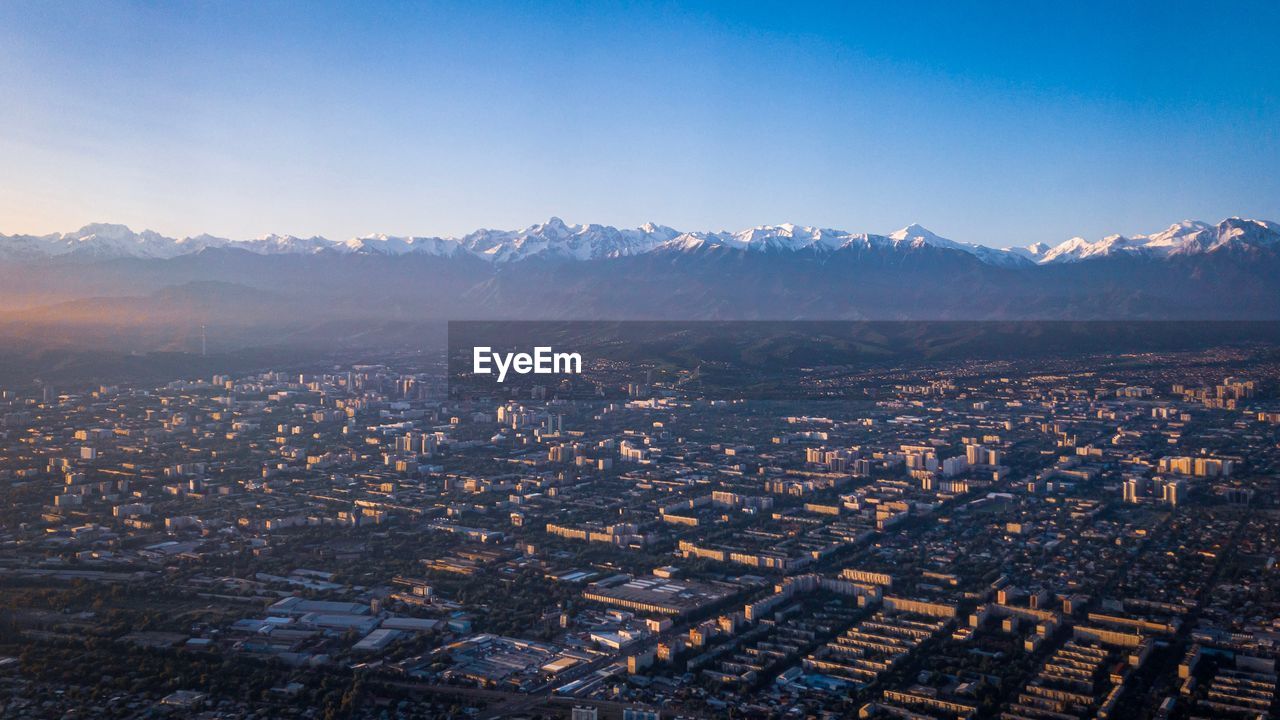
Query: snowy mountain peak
{"type": "Point", "coordinates": [915, 235]}
{"type": "Point", "coordinates": [553, 226]}
{"type": "Point", "coordinates": [106, 231]}
{"type": "Point", "coordinates": [913, 231]}
{"type": "Point", "coordinates": [1034, 251]}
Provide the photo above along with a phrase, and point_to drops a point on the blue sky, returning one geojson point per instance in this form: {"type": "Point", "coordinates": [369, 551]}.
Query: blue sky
{"type": "Point", "coordinates": [999, 123]}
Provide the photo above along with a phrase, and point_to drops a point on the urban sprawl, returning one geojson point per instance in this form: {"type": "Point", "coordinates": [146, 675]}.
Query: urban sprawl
{"type": "Point", "coordinates": [1091, 537]}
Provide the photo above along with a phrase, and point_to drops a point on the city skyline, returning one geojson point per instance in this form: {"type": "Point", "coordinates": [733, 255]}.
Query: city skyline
{"type": "Point", "coordinates": [1002, 126]}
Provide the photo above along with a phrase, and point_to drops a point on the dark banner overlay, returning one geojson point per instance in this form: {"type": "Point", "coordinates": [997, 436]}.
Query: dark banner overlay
{"type": "Point", "coordinates": [780, 360]}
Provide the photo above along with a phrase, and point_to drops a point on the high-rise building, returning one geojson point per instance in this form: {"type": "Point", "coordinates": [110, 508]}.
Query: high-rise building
{"type": "Point", "coordinates": [1175, 493]}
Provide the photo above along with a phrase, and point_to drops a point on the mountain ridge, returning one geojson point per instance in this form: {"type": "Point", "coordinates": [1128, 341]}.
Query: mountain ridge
{"type": "Point", "coordinates": [556, 239]}
{"type": "Point", "coordinates": [111, 287]}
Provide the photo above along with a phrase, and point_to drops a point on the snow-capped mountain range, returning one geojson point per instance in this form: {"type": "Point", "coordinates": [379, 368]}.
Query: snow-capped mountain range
{"type": "Point", "coordinates": [556, 239]}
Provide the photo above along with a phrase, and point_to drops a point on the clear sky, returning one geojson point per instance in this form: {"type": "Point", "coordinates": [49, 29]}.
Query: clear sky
{"type": "Point", "coordinates": [1000, 123]}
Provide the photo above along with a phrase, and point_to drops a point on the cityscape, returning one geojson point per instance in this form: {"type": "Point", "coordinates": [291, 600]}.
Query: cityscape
{"type": "Point", "coordinates": [641, 360]}
{"type": "Point", "coordinates": [1071, 537]}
